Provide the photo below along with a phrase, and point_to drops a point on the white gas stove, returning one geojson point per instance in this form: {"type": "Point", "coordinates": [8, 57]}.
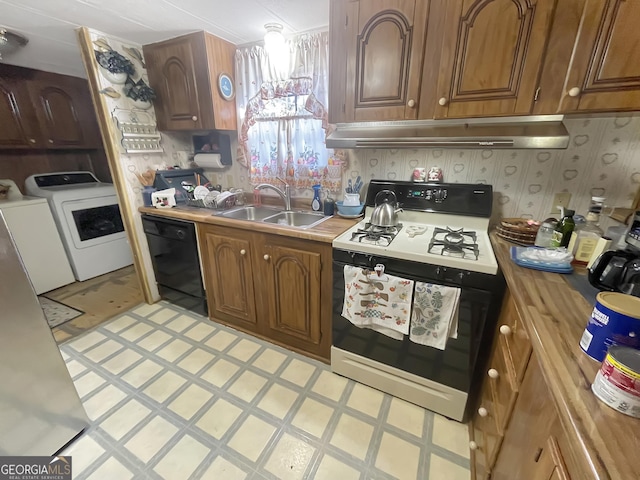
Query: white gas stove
{"type": "Point", "coordinates": [413, 240]}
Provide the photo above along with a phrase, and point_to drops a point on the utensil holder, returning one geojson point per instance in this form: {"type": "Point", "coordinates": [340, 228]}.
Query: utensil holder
{"type": "Point", "coordinates": [351, 199]}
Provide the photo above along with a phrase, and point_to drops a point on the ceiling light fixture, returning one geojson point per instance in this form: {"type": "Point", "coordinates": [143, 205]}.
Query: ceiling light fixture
{"type": "Point", "coordinates": [273, 39]}
{"type": "Point", "coordinates": [10, 41]}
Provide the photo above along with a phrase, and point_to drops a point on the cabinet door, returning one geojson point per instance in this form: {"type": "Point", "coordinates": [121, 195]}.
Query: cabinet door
{"type": "Point", "coordinates": [229, 277]}
{"type": "Point", "coordinates": [58, 115]}
{"type": "Point", "coordinates": [605, 72]}
{"type": "Point", "coordinates": [491, 56]}
{"type": "Point", "coordinates": [294, 293]}
{"type": "Point", "coordinates": [172, 73]}
{"type": "Point", "coordinates": [376, 49]}
{"type": "Point", "coordinates": [16, 117]}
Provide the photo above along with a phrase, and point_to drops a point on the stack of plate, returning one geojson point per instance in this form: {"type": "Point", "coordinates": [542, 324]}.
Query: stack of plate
{"type": "Point", "coordinates": [517, 230]}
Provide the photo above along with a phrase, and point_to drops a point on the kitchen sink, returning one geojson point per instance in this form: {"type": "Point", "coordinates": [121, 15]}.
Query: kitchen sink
{"type": "Point", "coordinates": [296, 219]}
{"type": "Point", "coordinates": [251, 212]}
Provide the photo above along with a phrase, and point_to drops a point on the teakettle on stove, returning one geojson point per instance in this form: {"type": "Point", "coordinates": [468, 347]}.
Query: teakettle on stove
{"type": "Point", "coordinates": [619, 270]}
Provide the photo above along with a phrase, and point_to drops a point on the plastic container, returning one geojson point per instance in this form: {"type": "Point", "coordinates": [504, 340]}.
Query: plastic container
{"type": "Point", "coordinates": [544, 236]}
{"type": "Point", "coordinates": [329, 206]}
{"type": "Point", "coordinates": [147, 190]}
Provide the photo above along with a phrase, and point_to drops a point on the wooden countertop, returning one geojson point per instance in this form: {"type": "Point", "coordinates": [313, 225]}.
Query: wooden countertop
{"type": "Point", "coordinates": [606, 442]}
{"type": "Point", "coordinates": [324, 232]}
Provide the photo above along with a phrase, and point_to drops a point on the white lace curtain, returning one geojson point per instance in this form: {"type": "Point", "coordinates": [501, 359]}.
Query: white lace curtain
{"type": "Point", "coordinates": [282, 107]}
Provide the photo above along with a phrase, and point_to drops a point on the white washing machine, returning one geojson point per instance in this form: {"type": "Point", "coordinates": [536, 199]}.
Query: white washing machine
{"type": "Point", "coordinates": [34, 231]}
{"type": "Point", "coordinates": [88, 217]}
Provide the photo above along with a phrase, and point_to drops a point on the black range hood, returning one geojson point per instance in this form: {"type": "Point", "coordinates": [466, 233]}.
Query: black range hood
{"type": "Point", "coordinates": [541, 132]}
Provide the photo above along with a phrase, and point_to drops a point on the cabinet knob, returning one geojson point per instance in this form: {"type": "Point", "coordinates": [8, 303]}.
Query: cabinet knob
{"type": "Point", "coordinates": [443, 101]}
{"type": "Point", "coordinates": [50, 141]}
{"type": "Point", "coordinates": [505, 329]}
{"type": "Point", "coordinates": [243, 252]}
{"type": "Point", "coordinates": [493, 373]}
{"type": "Point", "coordinates": [483, 412]}
{"type": "Point", "coordinates": [266, 257]}
{"type": "Point", "coordinates": [411, 103]}
{"type": "Point", "coordinates": [194, 118]}
{"type": "Point", "coordinates": [473, 445]}
{"type": "Point", "coordinates": [32, 140]}
{"type": "Point", "coordinates": [574, 92]}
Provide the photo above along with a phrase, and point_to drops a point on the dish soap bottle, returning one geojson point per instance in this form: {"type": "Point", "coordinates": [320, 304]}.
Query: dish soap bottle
{"type": "Point", "coordinates": [562, 233]}
{"type": "Point", "coordinates": [316, 205]}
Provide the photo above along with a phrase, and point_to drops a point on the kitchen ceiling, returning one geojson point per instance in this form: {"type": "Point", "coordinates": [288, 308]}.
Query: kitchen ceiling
{"type": "Point", "coordinates": [50, 25]}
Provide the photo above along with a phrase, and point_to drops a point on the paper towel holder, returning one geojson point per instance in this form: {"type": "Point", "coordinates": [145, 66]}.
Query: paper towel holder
{"type": "Point", "coordinates": [213, 142]}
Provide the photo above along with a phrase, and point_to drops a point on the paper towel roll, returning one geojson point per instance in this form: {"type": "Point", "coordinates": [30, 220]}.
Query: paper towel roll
{"type": "Point", "coordinates": [208, 160]}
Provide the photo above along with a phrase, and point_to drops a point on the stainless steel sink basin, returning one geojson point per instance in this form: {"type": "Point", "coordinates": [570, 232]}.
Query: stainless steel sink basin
{"type": "Point", "coordinates": [296, 219]}
{"type": "Point", "coordinates": [251, 213]}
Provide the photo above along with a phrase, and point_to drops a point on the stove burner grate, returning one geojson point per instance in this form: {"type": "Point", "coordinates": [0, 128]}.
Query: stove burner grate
{"type": "Point", "coordinates": [373, 234]}
{"type": "Point", "coordinates": [456, 242]}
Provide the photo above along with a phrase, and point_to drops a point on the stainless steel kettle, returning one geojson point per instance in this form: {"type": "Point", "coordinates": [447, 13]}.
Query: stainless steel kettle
{"type": "Point", "coordinates": [385, 214]}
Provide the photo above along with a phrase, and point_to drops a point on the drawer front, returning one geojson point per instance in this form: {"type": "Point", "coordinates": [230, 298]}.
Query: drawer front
{"type": "Point", "coordinates": [518, 344]}
{"type": "Point", "coordinates": [503, 386]}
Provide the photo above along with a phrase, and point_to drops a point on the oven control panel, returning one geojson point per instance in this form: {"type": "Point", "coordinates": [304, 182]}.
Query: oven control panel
{"type": "Point", "coordinates": [447, 198]}
{"type": "Point", "coordinates": [437, 195]}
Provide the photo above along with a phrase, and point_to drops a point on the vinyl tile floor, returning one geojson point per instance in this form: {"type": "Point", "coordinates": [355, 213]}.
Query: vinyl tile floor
{"type": "Point", "coordinates": [172, 395]}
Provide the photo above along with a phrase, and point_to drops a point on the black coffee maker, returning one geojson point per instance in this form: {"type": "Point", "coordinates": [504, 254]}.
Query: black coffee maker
{"type": "Point", "coordinates": [619, 270]}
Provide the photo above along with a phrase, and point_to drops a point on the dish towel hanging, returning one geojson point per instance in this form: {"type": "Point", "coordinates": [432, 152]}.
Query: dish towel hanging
{"type": "Point", "coordinates": [383, 305]}
{"type": "Point", "coordinates": [434, 316]}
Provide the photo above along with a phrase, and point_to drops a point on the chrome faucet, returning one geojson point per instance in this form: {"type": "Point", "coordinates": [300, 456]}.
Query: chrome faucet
{"type": "Point", "coordinates": [285, 195]}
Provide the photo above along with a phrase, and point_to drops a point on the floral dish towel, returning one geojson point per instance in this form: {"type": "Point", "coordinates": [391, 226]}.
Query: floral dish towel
{"type": "Point", "coordinates": [435, 314]}
{"type": "Point", "coordinates": [384, 305]}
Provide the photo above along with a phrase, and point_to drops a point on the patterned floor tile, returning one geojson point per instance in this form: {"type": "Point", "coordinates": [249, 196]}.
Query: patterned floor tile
{"type": "Point", "coordinates": [397, 457]}
{"type": "Point", "coordinates": [313, 417]}
{"type": "Point", "coordinates": [451, 435]}
{"type": "Point", "coordinates": [406, 416]}
{"type": "Point", "coordinates": [278, 400]}
{"type": "Point", "coordinates": [173, 395]}
{"type": "Point", "coordinates": [224, 469]}
{"type": "Point", "coordinates": [190, 401]}
{"type": "Point", "coordinates": [252, 437]}
{"type": "Point", "coordinates": [123, 420]}
{"type": "Point", "coordinates": [182, 460]}
{"type": "Point", "coordinates": [352, 436]}
{"type": "Point", "coordinates": [366, 400]}
{"type": "Point", "coordinates": [219, 418]}
{"type": "Point", "coordinates": [298, 372]}
{"type": "Point", "coordinates": [332, 469]}
{"type": "Point", "coordinates": [151, 438]}
{"type": "Point", "coordinates": [289, 458]}
{"type": "Point", "coordinates": [111, 468]}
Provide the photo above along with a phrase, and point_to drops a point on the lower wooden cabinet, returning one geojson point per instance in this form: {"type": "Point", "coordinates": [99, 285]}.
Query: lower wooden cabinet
{"type": "Point", "coordinates": [516, 432]}
{"type": "Point", "coordinates": [276, 287]}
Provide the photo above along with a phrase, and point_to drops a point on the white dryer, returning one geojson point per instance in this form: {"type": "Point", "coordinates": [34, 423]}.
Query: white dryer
{"type": "Point", "coordinates": [88, 217]}
{"type": "Point", "coordinates": [34, 231]}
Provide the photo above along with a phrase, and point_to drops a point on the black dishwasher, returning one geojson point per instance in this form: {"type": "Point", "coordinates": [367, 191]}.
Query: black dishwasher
{"type": "Point", "coordinates": [174, 253]}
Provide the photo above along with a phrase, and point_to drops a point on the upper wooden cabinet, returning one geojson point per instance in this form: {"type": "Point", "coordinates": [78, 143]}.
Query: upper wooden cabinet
{"type": "Point", "coordinates": [184, 71]}
{"type": "Point", "coordinates": [46, 110]}
{"type": "Point", "coordinates": [16, 116]}
{"type": "Point", "coordinates": [376, 52]}
{"type": "Point", "coordinates": [492, 54]}
{"type": "Point", "coordinates": [405, 59]}
{"type": "Point", "coordinates": [605, 71]}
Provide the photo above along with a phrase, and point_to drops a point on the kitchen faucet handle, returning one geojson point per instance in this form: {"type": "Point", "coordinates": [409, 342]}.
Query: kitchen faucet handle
{"type": "Point", "coordinates": [283, 180]}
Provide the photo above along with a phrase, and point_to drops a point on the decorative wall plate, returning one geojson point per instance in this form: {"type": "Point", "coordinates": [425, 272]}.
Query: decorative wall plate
{"type": "Point", "coordinates": [226, 87]}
